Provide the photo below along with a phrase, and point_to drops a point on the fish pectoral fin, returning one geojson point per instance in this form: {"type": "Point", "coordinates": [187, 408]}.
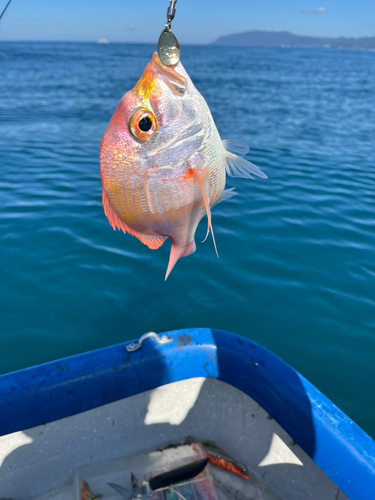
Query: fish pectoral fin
{"type": "Point", "coordinates": [235, 146]}
{"type": "Point", "coordinates": [228, 193]}
{"type": "Point", "coordinates": [238, 166]}
{"type": "Point", "coordinates": [176, 253]}
{"type": "Point", "coordinates": [152, 241]}
{"type": "Point", "coordinates": [204, 186]}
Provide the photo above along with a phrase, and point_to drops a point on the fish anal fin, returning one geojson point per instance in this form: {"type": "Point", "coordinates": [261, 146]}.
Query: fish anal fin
{"type": "Point", "coordinates": [152, 241]}
{"type": "Point", "coordinates": [203, 185]}
{"type": "Point", "coordinates": [228, 193]}
{"type": "Point", "coordinates": [176, 253]}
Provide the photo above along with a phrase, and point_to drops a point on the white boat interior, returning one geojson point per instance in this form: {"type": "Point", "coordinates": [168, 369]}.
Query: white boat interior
{"type": "Point", "coordinates": [106, 444]}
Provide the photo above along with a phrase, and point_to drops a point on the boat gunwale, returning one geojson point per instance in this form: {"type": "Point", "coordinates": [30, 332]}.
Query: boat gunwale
{"type": "Point", "coordinates": [59, 389]}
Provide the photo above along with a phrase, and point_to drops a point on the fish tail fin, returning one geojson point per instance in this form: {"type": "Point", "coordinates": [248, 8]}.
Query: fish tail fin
{"type": "Point", "coordinates": [204, 189]}
{"type": "Point", "coordinates": [176, 253]}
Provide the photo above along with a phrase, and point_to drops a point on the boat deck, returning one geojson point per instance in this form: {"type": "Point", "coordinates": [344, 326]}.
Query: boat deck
{"type": "Point", "coordinates": [42, 462]}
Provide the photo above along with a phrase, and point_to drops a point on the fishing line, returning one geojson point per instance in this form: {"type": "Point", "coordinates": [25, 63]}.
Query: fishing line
{"type": "Point", "coordinates": [179, 494]}
{"type": "Point", "coordinates": [7, 5]}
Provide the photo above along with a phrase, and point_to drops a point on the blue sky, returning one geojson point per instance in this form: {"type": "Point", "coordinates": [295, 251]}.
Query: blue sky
{"type": "Point", "coordinates": [197, 21]}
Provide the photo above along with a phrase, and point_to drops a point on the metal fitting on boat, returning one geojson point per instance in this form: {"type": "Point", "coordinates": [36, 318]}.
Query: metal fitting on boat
{"type": "Point", "coordinates": [134, 346]}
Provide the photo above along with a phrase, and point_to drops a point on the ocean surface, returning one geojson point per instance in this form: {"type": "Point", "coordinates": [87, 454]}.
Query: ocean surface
{"type": "Point", "coordinates": [296, 271]}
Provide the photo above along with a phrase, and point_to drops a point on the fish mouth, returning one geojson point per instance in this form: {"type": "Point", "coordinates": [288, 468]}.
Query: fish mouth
{"type": "Point", "coordinates": [175, 81]}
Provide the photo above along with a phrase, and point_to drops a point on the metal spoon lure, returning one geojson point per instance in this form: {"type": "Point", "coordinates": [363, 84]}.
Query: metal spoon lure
{"type": "Point", "coordinates": [168, 46]}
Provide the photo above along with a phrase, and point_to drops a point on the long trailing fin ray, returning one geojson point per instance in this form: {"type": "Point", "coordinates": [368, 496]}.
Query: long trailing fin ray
{"type": "Point", "coordinates": [202, 185]}
{"type": "Point", "coordinates": [152, 241]}
{"type": "Point", "coordinates": [204, 189]}
{"type": "Point", "coordinates": [239, 167]}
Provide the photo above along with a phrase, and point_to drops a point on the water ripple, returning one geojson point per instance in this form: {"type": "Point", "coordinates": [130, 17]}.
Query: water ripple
{"type": "Point", "coordinates": [296, 269]}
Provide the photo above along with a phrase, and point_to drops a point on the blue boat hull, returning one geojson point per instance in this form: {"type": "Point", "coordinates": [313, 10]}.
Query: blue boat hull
{"type": "Point", "coordinates": [72, 385]}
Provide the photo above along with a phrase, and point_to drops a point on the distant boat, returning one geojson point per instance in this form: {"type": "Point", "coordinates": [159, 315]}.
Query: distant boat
{"type": "Point", "coordinates": [103, 40]}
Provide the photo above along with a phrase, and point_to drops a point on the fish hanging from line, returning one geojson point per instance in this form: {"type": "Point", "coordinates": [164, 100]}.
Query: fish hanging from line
{"type": "Point", "coordinates": [163, 164]}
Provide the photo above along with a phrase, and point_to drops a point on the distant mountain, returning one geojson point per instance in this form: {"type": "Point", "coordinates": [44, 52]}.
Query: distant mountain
{"type": "Point", "coordinates": [285, 39]}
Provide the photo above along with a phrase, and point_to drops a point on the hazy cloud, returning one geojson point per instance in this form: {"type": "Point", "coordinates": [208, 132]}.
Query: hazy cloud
{"type": "Point", "coordinates": [131, 27]}
{"type": "Point", "coordinates": [319, 10]}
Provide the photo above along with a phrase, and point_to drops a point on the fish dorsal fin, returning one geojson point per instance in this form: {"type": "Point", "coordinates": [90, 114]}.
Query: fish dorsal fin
{"type": "Point", "coordinates": [113, 218]}
{"type": "Point", "coordinates": [238, 166]}
{"type": "Point", "coordinates": [152, 241]}
{"type": "Point", "coordinates": [203, 185]}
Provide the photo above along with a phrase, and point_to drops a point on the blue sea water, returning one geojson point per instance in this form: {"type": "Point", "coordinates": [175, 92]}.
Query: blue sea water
{"type": "Point", "coordinates": [297, 252]}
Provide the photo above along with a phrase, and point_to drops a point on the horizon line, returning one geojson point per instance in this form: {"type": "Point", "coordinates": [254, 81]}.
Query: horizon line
{"type": "Point", "coordinates": [95, 41]}
{"type": "Point", "coordinates": [108, 41]}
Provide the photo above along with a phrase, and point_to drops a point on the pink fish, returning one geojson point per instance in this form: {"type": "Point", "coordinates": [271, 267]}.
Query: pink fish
{"type": "Point", "coordinates": [163, 164]}
{"type": "Point", "coordinates": [86, 493]}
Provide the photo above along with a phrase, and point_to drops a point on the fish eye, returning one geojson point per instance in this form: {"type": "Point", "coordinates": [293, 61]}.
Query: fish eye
{"type": "Point", "coordinates": [143, 125]}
